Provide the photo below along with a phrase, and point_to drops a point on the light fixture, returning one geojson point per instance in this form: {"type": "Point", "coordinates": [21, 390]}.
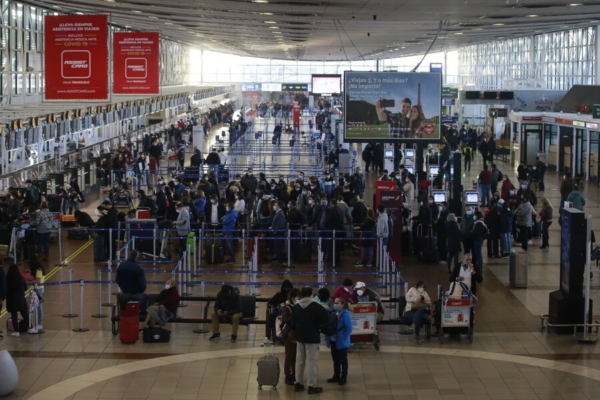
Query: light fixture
{"type": "Point", "coordinates": [168, 23]}
{"type": "Point", "coordinates": [79, 13]}
{"type": "Point", "coordinates": [458, 33]}
{"type": "Point", "coordinates": [531, 16]}
{"type": "Point", "coordinates": [265, 13]}
{"type": "Point", "coordinates": [499, 24]}
{"type": "Point", "coordinates": [574, 5]}
{"type": "Point", "coordinates": [152, 17]}
{"type": "Point", "coordinates": [109, 1]}
{"type": "Point", "coordinates": [403, 47]}
{"type": "Point", "coordinates": [270, 22]}
{"type": "Point", "coordinates": [137, 11]}
{"type": "Point", "coordinates": [261, 1]}
{"type": "Point", "coordinates": [273, 27]}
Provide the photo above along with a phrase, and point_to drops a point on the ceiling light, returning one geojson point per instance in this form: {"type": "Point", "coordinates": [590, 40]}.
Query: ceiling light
{"type": "Point", "coordinates": [458, 33]}
{"type": "Point", "coordinates": [531, 16]}
{"type": "Point", "coordinates": [403, 47]}
{"type": "Point", "coordinates": [270, 22]}
{"type": "Point", "coordinates": [79, 13]}
{"type": "Point", "coordinates": [273, 27]}
{"type": "Point", "coordinates": [396, 49]}
{"type": "Point", "coordinates": [261, 1]}
{"type": "Point", "coordinates": [265, 13]}
{"type": "Point", "coordinates": [574, 5]}
{"type": "Point", "coordinates": [152, 17]}
{"type": "Point", "coordinates": [499, 24]}
{"type": "Point", "coordinates": [500, 37]}
{"type": "Point", "coordinates": [136, 11]}
{"type": "Point", "coordinates": [109, 1]}
{"type": "Point", "coordinates": [127, 26]}
{"type": "Point", "coordinates": [168, 23]}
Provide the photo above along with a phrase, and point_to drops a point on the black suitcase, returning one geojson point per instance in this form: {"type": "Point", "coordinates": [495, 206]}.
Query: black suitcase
{"type": "Point", "coordinates": [214, 253]}
{"type": "Point", "coordinates": [407, 242]}
{"type": "Point", "coordinates": [304, 252]}
{"type": "Point", "coordinates": [292, 143]}
{"type": "Point", "coordinates": [156, 335]}
{"type": "Point", "coordinates": [78, 234]}
{"type": "Point", "coordinates": [54, 202]}
{"type": "Point", "coordinates": [99, 248]}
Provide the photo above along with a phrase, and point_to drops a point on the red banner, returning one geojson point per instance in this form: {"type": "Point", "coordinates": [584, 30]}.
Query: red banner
{"type": "Point", "coordinates": [136, 60]}
{"type": "Point", "coordinates": [76, 57]}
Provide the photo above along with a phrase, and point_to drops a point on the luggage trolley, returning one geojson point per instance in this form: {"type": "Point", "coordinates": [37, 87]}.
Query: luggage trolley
{"type": "Point", "coordinates": [364, 324]}
{"type": "Point", "coordinates": [457, 312]}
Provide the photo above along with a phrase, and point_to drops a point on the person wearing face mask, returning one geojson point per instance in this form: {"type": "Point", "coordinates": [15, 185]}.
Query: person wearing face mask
{"type": "Point", "coordinates": [346, 291]}
{"type": "Point", "coordinates": [228, 304]}
{"type": "Point", "coordinates": [146, 202]}
{"type": "Point", "coordinates": [485, 181]}
{"type": "Point", "coordinates": [179, 188]}
{"type": "Point", "coordinates": [165, 306]}
{"type": "Point", "coordinates": [506, 188]}
{"type": "Point", "coordinates": [302, 201]}
{"type": "Point", "coordinates": [522, 172]}
{"type": "Point", "coordinates": [182, 224]}
{"type": "Point", "coordinates": [329, 184]}
{"type": "Point", "coordinates": [467, 274]}
{"type": "Point", "coordinates": [479, 233]}
{"type": "Point", "coordinates": [295, 220]}
{"type": "Point", "coordinates": [229, 224]}
{"type": "Point", "coordinates": [340, 342]}
{"type": "Point", "coordinates": [365, 294]}
{"type": "Point", "coordinates": [296, 191]}
{"type": "Point", "coordinates": [418, 304]}
{"type": "Point", "coordinates": [495, 198]}
{"type": "Point", "coordinates": [534, 177]}
{"type": "Point", "coordinates": [492, 221]}
{"type": "Point", "coordinates": [282, 188]}
{"type": "Point", "coordinates": [524, 214]}
{"type": "Point", "coordinates": [288, 333]}
{"type": "Point", "coordinates": [466, 227]}
{"type": "Point", "coordinates": [274, 308]}
{"type": "Point", "coordinates": [214, 211]}
{"type": "Point", "coordinates": [525, 190]}
{"type": "Point", "coordinates": [279, 231]}
{"type": "Point", "coordinates": [249, 184]}
{"type": "Point", "coordinates": [576, 198]}
{"type": "Point", "coordinates": [505, 228]}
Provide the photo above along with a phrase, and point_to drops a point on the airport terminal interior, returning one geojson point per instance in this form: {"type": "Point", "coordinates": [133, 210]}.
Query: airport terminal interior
{"type": "Point", "coordinates": [264, 85]}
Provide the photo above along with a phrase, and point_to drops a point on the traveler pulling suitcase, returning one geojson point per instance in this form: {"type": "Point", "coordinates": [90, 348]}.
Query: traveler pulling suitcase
{"type": "Point", "coordinates": [129, 323]}
{"type": "Point", "coordinates": [268, 369]}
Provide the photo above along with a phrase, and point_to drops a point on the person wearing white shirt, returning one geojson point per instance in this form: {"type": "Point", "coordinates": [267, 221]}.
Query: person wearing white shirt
{"type": "Point", "coordinates": [240, 204]}
{"type": "Point", "coordinates": [418, 303]}
{"type": "Point", "coordinates": [223, 156]}
{"type": "Point", "coordinates": [467, 274]}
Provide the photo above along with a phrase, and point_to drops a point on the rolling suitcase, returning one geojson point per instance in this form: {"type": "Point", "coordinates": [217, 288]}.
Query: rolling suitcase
{"type": "Point", "coordinates": [262, 248]}
{"type": "Point", "coordinates": [268, 369]}
{"type": "Point", "coordinates": [406, 240]}
{"type": "Point", "coordinates": [214, 251]}
{"type": "Point", "coordinates": [426, 248]}
{"type": "Point", "coordinates": [304, 253]}
{"type": "Point", "coordinates": [130, 323]}
{"type": "Point", "coordinates": [54, 202]}
{"type": "Point", "coordinates": [99, 248]}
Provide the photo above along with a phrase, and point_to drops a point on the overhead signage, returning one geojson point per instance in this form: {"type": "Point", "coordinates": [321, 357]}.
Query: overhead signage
{"type": "Point", "coordinates": [392, 106]}
{"type": "Point", "coordinates": [448, 102]}
{"type": "Point", "coordinates": [271, 87]}
{"type": "Point", "coordinates": [591, 125]}
{"type": "Point", "coordinates": [596, 111]}
{"type": "Point", "coordinates": [563, 121]}
{"type": "Point", "coordinates": [136, 63]}
{"type": "Point", "coordinates": [250, 87]}
{"type": "Point", "coordinates": [549, 120]}
{"type": "Point", "coordinates": [436, 67]}
{"type": "Point", "coordinates": [76, 57]}
{"type": "Point", "coordinates": [293, 87]}
{"type": "Point", "coordinates": [580, 124]}
{"type": "Point", "coordinates": [449, 93]}
{"type": "Point", "coordinates": [531, 119]}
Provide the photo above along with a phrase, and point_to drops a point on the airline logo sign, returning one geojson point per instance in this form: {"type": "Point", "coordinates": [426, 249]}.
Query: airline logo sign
{"type": "Point", "coordinates": [76, 57]}
{"type": "Point", "coordinates": [136, 57]}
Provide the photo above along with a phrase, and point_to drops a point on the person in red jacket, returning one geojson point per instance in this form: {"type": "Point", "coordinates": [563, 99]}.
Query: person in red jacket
{"type": "Point", "coordinates": [507, 185]}
{"type": "Point", "coordinates": [485, 185]}
{"type": "Point", "coordinates": [346, 291]}
{"type": "Point", "coordinates": [165, 306]}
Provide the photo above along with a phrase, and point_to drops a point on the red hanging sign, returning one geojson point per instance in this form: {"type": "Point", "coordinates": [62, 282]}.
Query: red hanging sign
{"type": "Point", "coordinates": [136, 58]}
{"type": "Point", "coordinates": [76, 57]}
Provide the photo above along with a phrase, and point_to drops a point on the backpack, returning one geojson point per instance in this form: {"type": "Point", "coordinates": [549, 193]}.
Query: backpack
{"type": "Point", "coordinates": [330, 327]}
{"type": "Point", "coordinates": [500, 175]}
{"type": "Point", "coordinates": [486, 233]}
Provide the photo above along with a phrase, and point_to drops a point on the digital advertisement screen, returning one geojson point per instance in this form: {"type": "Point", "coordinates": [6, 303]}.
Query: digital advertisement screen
{"type": "Point", "coordinates": [392, 106]}
{"type": "Point", "coordinates": [472, 197]}
{"type": "Point", "coordinates": [410, 153]}
{"type": "Point", "coordinates": [271, 87]}
{"type": "Point", "coordinates": [326, 84]}
{"type": "Point", "coordinates": [434, 171]}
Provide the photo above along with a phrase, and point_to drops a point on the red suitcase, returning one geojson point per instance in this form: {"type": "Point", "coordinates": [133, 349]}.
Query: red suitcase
{"type": "Point", "coordinates": [262, 248]}
{"type": "Point", "coordinates": [130, 323]}
{"type": "Point", "coordinates": [152, 166]}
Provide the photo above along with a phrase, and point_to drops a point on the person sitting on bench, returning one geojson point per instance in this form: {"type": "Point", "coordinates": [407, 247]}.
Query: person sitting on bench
{"type": "Point", "coordinates": [227, 305]}
{"type": "Point", "coordinates": [165, 306]}
{"type": "Point", "coordinates": [417, 306]}
{"type": "Point", "coordinates": [366, 295]}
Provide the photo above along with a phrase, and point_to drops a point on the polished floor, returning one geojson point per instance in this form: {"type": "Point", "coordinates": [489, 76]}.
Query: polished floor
{"type": "Point", "coordinates": [508, 359]}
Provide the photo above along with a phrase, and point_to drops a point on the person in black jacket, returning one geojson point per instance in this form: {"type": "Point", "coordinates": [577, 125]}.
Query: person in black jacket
{"type": "Point", "coordinates": [295, 220]}
{"type": "Point", "coordinates": [273, 307]}
{"type": "Point", "coordinates": [422, 223]}
{"type": "Point", "coordinates": [440, 228]}
{"type": "Point", "coordinates": [83, 219]}
{"type": "Point", "coordinates": [161, 202]}
{"type": "Point", "coordinates": [369, 234]}
{"type": "Point", "coordinates": [2, 289]}
{"type": "Point", "coordinates": [466, 273]}
{"type": "Point", "coordinates": [335, 221]}
{"type": "Point", "coordinates": [15, 299]}
{"type": "Point", "coordinates": [108, 220]}
{"type": "Point", "coordinates": [227, 305]}
{"type": "Point", "coordinates": [454, 240]}
{"type": "Point", "coordinates": [359, 211]}
{"type": "Point", "coordinates": [214, 218]}
{"type": "Point", "coordinates": [492, 221]}
{"type": "Point", "coordinates": [307, 317]}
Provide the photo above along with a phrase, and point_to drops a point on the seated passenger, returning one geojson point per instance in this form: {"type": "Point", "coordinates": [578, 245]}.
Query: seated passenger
{"type": "Point", "coordinates": [417, 306]}
{"type": "Point", "coordinates": [273, 307]}
{"type": "Point", "coordinates": [365, 294]}
{"type": "Point", "coordinates": [346, 291]}
{"type": "Point", "coordinates": [324, 298]}
{"type": "Point", "coordinates": [227, 305]}
{"type": "Point", "coordinates": [165, 306]}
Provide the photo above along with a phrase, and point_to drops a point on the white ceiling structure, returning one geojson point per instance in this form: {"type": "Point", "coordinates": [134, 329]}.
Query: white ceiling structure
{"type": "Point", "coordinates": [334, 30]}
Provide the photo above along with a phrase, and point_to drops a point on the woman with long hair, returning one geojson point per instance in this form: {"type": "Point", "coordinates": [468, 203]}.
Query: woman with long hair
{"type": "Point", "coordinates": [15, 299]}
{"type": "Point", "coordinates": [39, 273]}
{"type": "Point", "coordinates": [340, 342]}
{"type": "Point", "coordinates": [416, 121]}
{"type": "Point", "coordinates": [546, 219]}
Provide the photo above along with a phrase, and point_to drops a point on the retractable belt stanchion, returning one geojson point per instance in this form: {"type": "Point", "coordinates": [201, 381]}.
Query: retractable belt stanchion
{"type": "Point", "coordinates": [14, 243]}
{"type": "Point", "coordinates": [380, 263]}
{"type": "Point", "coordinates": [60, 252]}
{"type": "Point", "coordinates": [155, 235]}
{"type": "Point", "coordinates": [70, 314]}
{"type": "Point", "coordinates": [289, 246]}
{"type": "Point", "coordinates": [385, 277]}
{"type": "Point", "coordinates": [184, 273]}
{"type": "Point", "coordinates": [99, 314]}
{"type": "Point", "coordinates": [195, 248]}
{"type": "Point", "coordinates": [109, 279]}
{"type": "Point", "coordinates": [189, 267]}
{"type": "Point", "coordinates": [201, 327]}
{"type": "Point", "coordinates": [243, 248]}
{"type": "Point", "coordinates": [320, 269]}
{"type": "Point", "coordinates": [81, 328]}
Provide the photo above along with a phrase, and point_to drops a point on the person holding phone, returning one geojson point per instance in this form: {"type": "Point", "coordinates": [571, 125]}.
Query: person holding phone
{"type": "Point", "coordinates": [398, 122]}
{"type": "Point", "coordinates": [418, 304]}
{"type": "Point", "coordinates": [467, 274]}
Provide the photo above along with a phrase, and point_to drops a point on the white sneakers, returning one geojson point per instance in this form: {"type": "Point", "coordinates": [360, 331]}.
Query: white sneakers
{"type": "Point", "coordinates": [32, 331]}
{"type": "Point", "coordinates": [15, 334]}
{"type": "Point", "coordinates": [39, 328]}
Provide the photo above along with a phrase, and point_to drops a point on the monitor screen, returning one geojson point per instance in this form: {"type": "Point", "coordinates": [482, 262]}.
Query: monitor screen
{"type": "Point", "coordinates": [410, 153]}
{"type": "Point", "coordinates": [472, 197]}
{"type": "Point", "coordinates": [326, 84]}
{"type": "Point", "coordinates": [410, 169]}
{"type": "Point", "coordinates": [434, 170]}
{"type": "Point", "coordinates": [472, 95]}
{"type": "Point", "coordinates": [438, 197]}
{"type": "Point", "coordinates": [389, 153]}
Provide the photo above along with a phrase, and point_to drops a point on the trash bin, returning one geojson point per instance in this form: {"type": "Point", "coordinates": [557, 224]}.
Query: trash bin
{"type": "Point", "coordinates": [519, 268]}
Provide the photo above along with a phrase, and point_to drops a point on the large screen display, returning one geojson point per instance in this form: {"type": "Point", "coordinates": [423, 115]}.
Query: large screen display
{"type": "Point", "coordinates": [392, 106]}
{"type": "Point", "coordinates": [326, 84]}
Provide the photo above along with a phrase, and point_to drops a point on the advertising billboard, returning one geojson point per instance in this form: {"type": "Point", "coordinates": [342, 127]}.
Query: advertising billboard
{"type": "Point", "coordinates": [136, 63]}
{"type": "Point", "coordinates": [326, 84]}
{"type": "Point", "coordinates": [76, 57]}
{"type": "Point", "coordinates": [392, 106]}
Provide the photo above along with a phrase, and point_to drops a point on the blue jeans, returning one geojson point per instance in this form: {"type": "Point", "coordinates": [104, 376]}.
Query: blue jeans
{"type": "Point", "coordinates": [416, 316]}
{"type": "Point", "coordinates": [363, 255]}
{"type": "Point", "coordinates": [39, 312]}
{"type": "Point", "coordinates": [505, 245]}
{"type": "Point", "coordinates": [230, 246]}
{"type": "Point", "coordinates": [44, 242]}
{"type": "Point", "coordinates": [485, 194]}
{"type": "Point", "coordinates": [477, 257]}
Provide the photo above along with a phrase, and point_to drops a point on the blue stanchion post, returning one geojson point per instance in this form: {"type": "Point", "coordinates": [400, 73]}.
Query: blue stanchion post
{"type": "Point", "coordinates": [70, 314]}
{"type": "Point", "coordinates": [201, 327]}
{"type": "Point", "coordinates": [81, 328]}
{"type": "Point", "coordinates": [99, 314]}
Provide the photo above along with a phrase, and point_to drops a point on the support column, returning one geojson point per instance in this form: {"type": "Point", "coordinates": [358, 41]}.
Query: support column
{"type": "Point", "coordinates": [597, 60]}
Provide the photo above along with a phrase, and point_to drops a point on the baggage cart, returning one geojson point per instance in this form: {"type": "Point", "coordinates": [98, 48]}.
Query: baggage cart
{"type": "Point", "coordinates": [457, 312]}
{"type": "Point", "coordinates": [364, 324]}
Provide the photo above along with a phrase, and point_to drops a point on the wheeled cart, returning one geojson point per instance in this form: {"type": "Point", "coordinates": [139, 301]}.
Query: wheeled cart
{"type": "Point", "coordinates": [457, 313]}
{"type": "Point", "coordinates": [364, 324]}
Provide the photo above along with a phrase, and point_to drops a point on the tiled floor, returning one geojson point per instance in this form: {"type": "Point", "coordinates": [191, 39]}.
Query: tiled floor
{"type": "Point", "coordinates": [508, 359]}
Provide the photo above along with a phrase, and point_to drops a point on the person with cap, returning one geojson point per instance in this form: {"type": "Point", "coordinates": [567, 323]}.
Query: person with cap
{"type": "Point", "coordinates": [228, 304]}
{"type": "Point", "coordinates": [131, 277]}
{"type": "Point", "coordinates": [182, 224]}
{"type": "Point", "coordinates": [365, 294]}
